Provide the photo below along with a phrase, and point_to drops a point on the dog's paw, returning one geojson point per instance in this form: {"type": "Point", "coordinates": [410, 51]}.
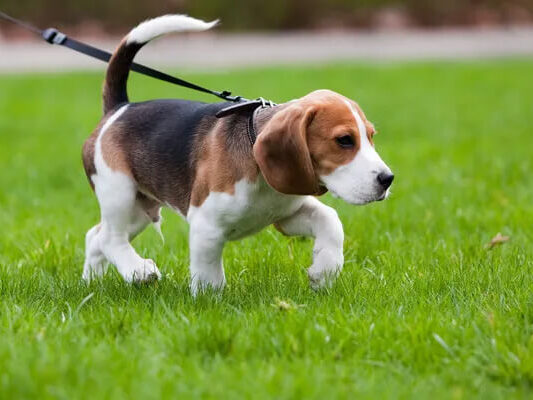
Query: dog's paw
{"type": "Point", "coordinates": [323, 277]}
{"type": "Point", "coordinates": [93, 272]}
{"type": "Point", "coordinates": [321, 280]}
{"type": "Point", "coordinates": [199, 286]}
{"type": "Point", "coordinates": [145, 272]}
{"type": "Point", "coordinates": [327, 264]}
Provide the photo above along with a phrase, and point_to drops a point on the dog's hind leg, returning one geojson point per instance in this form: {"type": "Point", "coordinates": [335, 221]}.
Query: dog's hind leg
{"type": "Point", "coordinates": [124, 215]}
{"type": "Point", "coordinates": [95, 263]}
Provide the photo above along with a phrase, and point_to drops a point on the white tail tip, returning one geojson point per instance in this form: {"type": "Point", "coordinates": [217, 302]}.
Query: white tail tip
{"type": "Point", "coordinates": [152, 28]}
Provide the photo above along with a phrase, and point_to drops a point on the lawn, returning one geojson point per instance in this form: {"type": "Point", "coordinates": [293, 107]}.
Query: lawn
{"type": "Point", "coordinates": [423, 308]}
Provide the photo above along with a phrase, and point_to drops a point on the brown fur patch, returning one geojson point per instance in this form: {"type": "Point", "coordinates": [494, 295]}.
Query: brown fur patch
{"type": "Point", "coordinates": [299, 144]}
{"type": "Point", "coordinates": [219, 166]}
{"type": "Point", "coordinates": [282, 152]}
{"type": "Point", "coordinates": [370, 129]}
{"type": "Point", "coordinates": [87, 154]}
{"type": "Point", "coordinates": [150, 206]}
{"type": "Point", "coordinates": [277, 225]}
{"type": "Point", "coordinates": [333, 119]}
{"type": "Point", "coordinates": [114, 91]}
{"type": "Point", "coordinates": [112, 151]}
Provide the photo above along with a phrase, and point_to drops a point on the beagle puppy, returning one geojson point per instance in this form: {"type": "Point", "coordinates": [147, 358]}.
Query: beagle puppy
{"type": "Point", "coordinates": [229, 177]}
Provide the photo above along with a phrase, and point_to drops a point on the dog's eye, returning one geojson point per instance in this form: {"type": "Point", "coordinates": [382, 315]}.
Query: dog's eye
{"type": "Point", "coordinates": [345, 141]}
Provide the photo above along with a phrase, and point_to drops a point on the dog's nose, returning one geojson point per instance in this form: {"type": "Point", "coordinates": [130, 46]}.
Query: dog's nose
{"type": "Point", "coordinates": [385, 179]}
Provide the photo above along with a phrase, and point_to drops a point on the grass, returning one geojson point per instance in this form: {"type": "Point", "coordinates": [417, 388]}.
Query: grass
{"type": "Point", "coordinates": [422, 310]}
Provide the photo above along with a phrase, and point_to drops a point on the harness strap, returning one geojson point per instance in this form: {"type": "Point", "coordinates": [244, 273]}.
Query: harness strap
{"type": "Point", "coordinates": [251, 107]}
{"type": "Point", "coordinates": [244, 106]}
{"type": "Point", "coordinates": [252, 134]}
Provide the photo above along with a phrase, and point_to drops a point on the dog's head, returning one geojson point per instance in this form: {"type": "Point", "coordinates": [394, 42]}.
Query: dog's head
{"type": "Point", "coordinates": [320, 142]}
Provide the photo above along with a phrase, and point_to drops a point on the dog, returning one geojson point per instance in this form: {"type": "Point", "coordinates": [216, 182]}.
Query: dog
{"type": "Point", "coordinates": [229, 177]}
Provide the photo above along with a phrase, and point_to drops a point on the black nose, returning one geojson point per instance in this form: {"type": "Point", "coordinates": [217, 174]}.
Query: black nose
{"type": "Point", "coordinates": [385, 179]}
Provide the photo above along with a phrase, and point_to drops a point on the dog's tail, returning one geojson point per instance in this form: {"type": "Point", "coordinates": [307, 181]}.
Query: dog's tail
{"type": "Point", "coordinates": [115, 91]}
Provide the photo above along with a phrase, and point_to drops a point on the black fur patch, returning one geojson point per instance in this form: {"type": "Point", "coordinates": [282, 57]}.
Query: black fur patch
{"type": "Point", "coordinates": [115, 84]}
{"type": "Point", "coordinates": [159, 137]}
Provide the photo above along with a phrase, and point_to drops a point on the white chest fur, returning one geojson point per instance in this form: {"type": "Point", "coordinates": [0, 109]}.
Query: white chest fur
{"type": "Point", "coordinates": [253, 206]}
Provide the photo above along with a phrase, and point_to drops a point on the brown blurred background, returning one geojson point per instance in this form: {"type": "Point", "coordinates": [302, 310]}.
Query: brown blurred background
{"type": "Point", "coordinates": [104, 17]}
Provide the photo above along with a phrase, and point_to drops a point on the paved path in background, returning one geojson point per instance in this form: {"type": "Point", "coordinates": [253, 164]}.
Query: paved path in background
{"type": "Point", "coordinates": [216, 51]}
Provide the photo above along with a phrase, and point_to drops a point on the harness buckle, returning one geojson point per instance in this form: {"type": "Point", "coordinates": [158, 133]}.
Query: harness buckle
{"type": "Point", "coordinates": [266, 103]}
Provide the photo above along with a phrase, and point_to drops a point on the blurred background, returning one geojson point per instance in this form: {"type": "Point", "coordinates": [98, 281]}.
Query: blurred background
{"type": "Point", "coordinates": [424, 304]}
{"type": "Point", "coordinates": [103, 16]}
{"type": "Point", "coordinates": [277, 31]}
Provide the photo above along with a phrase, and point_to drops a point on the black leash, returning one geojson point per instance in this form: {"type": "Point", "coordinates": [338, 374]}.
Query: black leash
{"type": "Point", "coordinates": [249, 107]}
{"type": "Point", "coordinates": [53, 36]}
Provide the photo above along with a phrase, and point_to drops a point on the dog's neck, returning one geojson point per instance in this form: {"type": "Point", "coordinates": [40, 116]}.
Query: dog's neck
{"type": "Point", "coordinates": [264, 115]}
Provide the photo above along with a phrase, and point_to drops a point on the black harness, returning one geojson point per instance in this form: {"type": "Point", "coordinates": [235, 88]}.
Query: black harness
{"type": "Point", "coordinates": [53, 36]}
{"type": "Point", "coordinates": [252, 107]}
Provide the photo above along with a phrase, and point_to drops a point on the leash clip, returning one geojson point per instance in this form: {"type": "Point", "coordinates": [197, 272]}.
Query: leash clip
{"type": "Point", "coordinates": [53, 36]}
{"type": "Point", "coordinates": [226, 95]}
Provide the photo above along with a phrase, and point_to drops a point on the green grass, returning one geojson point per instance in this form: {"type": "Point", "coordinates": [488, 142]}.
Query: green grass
{"type": "Point", "coordinates": [422, 309]}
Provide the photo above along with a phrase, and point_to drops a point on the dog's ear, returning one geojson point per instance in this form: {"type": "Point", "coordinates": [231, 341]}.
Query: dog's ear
{"type": "Point", "coordinates": [282, 152]}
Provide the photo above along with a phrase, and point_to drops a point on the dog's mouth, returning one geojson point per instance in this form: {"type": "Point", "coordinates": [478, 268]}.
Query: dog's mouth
{"type": "Point", "coordinates": [321, 190]}
{"type": "Point", "coordinates": [360, 199]}
{"type": "Point", "coordinates": [384, 195]}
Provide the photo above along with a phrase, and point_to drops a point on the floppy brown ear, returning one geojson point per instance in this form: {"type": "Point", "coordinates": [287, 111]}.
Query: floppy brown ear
{"type": "Point", "coordinates": [282, 153]}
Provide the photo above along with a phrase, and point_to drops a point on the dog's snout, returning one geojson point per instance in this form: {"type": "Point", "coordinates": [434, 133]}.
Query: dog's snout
{"type": "Point", "coordinates": [385, 179]}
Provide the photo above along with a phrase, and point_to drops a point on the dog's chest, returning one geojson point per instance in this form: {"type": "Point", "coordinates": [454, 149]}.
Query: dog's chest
{"type": "Point", "coordinates": [252, 206]}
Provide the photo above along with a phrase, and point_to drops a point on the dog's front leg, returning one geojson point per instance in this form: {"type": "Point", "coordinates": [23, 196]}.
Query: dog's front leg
{"type": "Point", "coordinates": [322, 223]}
{"type": "Point", "coordinates": [205, 246]}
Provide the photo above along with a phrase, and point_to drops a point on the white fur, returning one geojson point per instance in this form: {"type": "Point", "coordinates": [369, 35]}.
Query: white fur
{"type": "Point", "coordinates": [224, 217]}
{"type": "Point", "coordinates": [356, 182]}
{"type": "Point", "coordinates": [151, 29]}
{"type": "Point", "coordinates": [122, 219]}
{"type": "Point", "coordinates": [99, 162]}
{"type": "Point", "coordinates": [322, 223]}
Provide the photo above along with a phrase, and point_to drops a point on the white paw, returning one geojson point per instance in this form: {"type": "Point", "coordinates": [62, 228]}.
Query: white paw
{"type": "Point", "coordinates": [325, 269]}
{"type": "Point", "coordinates": [91, 272]}
{"type": "Point", "coordinates": [87, 274]}
{"type": "Point", "coordinates": [200, 285]}
{"type": "Point", "coordinates": [146, 271]}
{"type": "Point", "coordinates": [323, 279]}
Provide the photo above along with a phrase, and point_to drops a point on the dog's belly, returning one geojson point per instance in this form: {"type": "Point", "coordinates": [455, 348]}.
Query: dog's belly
{"type": "Point", "coordinates": [252, 207]}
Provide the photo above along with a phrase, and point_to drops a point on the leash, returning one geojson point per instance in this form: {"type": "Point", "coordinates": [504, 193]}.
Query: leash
{"type": "Point", "coordinates": [243, 105]}
{"type": "Point", "coordinates": [53, 36]}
